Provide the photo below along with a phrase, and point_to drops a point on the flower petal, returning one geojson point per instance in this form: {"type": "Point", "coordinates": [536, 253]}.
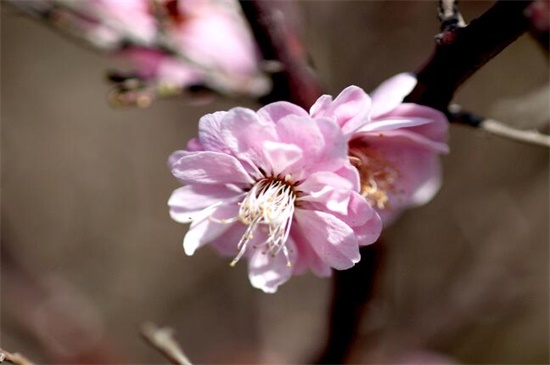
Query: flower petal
{"type": "Point", "coordinates": [267, 272]}
{"type": "Point", "coordinates": [417, 165]}
{"type": "Point", "coordinates": [204, 230]}
{"type": "Point", "coordinates": [280, 156]}
{"type": "Point", "coordinates": [333, 240]}
{"type": "Point", "coordinates": [438, 128]}
{"type": "Point", "coordinates": [391, 93]}
{"type": "Point", "coordinates": [327, 189]}
{"type": "Point", "coordinates": [186, 201]}
{"type": "Point", "coordinates": [207, 167]}
{"type": "Point", "coordinates": [307, 258]}
{"type": "Point", "coordinates": [350, 109]}
{"type": "Point", "coordinates": [276, 111]}
{"type": "Point", "coordinates": [210, 132]}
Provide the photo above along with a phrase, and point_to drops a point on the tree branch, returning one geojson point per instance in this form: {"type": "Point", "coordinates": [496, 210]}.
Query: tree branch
{"type": "Point", "coordinates": [460, 52]}
{"type": "Point", "coordinates": [293, 80]}
{"type": "Point", "coordinates": [351, 290]}
{"type": "Point", "coordinates": [497, 128]}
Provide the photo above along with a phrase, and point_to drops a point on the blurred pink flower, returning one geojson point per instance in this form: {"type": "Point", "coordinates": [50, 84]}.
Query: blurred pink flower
{"type": "Point", "coordinates": [394, 145]}
{"type": "Point", "coordinates": [275, 187]}
{"type": "Point", "coordinates": [170, 45]}
{"type": "Point", "coordinates": [214, 35]}
{"type": "Point", "coordinates": [123, 18]}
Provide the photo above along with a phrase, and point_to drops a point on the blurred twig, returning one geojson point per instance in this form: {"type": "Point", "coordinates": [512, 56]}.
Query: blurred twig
{"type": "Point", "coordinates": [293, 80]}
{"type": "Point", "coordinates": [497, 128]}
{"type": "Point", "coordinates": [14, 358]}
{"type": "Point", "coordinates": [163, 340]}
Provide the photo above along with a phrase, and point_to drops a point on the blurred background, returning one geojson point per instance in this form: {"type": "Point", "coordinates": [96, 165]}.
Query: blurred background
{"type": "Point", "coordinates": [89, 252]}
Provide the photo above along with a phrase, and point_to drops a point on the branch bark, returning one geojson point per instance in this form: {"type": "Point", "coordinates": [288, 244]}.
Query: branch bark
{"type": "Point", "coordinates": [460, 52]}
{"type": "Point", "coordinates": [351, 290]}
{"type": "Point", "coordinates": [293, 80]}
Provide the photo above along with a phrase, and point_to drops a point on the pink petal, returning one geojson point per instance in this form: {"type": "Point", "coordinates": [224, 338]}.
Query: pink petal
{"type": "Point", "coordinates": [226, 244]}
{"type": "Point", "coordinates": [304, 133]}
{"type": "Point", "coordinates": [390, 124]}
{"type": "Point", "coordinates": [327, 189]}
{"type": "Point", "coordinates": [350, 109]}
{"type": "Point", "coordinates": [203, 231]}
{"type": "Point", "coordinates": [194, 145]}
{"type": "Point", "coordinates": [335, 153]}
{"type": "Point", "coordinates": [175, 156]}
{"type": "Point", "coordinates": [323, 145]}
{"type": "Point", "coordinates": [412, 138]}
{"type": "Point", "coordinates": [350, 173]}
{"type": "Point", "coordinates": [244, 134]}
{"type": "Point", "coordinates": [211, 132]}
{"type": "Point", "coordinates": [391, 93]}
{"type": "Point", "coordinates": [436, 130]}
{"type": "Point", "coordinates": [307, 258]}
{"type": "Point", "coordinates": [280, 156]}
{"type": "Point", "coordinates": [279, 110]}
{"type": "Point", "coordinates": [320, 107]}
{"type": "Point", "coordinates": [210, 168]}
{"type": "Point", "coordinates": [418, 170]}
{"type": "Point", "coordinates": [267, 272]}
{"type": "Point", "coordinates": [189, 200]}
{"type": "Point", "coordinates": [333, 240]}
{"type": "Point", "coordinates": [361, 217]}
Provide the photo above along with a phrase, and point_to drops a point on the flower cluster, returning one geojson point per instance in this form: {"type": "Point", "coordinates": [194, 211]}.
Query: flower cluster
{"type": "Point", "coordinates": [290, 190]}
{"type": "Point", "coordinates": [165, 46]}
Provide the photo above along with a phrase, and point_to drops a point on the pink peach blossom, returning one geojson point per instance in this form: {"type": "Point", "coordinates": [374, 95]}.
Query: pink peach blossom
{"type": "Point", "coordinates": [170, 45]}
{"type": "Point", "coordinates": [276, 187]}
{"type": "Point", "coordinates": [395, 146]}
{"type": "Point", "coordinates": [128, 18]}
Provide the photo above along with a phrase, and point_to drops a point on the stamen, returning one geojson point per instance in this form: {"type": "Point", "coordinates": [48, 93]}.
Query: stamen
{"type": "Point", "coordinates": [377, 176]}
{"type": "Point", "coordinates": [271, 203]}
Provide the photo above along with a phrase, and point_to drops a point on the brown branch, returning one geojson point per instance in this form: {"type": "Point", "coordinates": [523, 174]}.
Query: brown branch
{"type": "Point", "coordinates": [293, 80]}
{"type": "Point", "coordinates": [351, 290]}
{"type": "Point", "coordinates": [14, 358]}
{"type": "Point", "coordinates": [460, 52]}
{"type": "Point", "coordinates": [163, 340]}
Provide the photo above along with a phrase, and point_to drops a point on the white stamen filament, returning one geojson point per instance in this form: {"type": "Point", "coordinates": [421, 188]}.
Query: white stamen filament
{"type": "Point", "coordinates": [270, 202]}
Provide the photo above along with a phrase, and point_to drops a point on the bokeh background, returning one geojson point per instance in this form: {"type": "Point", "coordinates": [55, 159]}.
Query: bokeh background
{"type": "Point", "coordinates": [89, 251]}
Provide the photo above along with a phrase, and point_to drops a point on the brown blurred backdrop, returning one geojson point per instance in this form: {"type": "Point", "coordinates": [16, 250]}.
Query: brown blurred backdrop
{"type": "Point", "coordinates": [84, 191]}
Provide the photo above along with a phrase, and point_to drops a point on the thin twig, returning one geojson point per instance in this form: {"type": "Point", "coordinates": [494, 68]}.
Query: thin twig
{"type": "Point", "coordinates": [460, 52]}
{"type": "Point", "coordinates": [294, 81]}
{"type": "Point", "coordinates": [497, 128]}
{"type": "Point", "coordinates": [503, 130]}
{"type": "Point", "coordinates": [163, 340]}
{"type": "Point", "coordinates": [14, 358]}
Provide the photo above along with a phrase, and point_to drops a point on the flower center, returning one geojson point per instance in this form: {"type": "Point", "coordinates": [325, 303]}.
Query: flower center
{"type": "Point", "coordinates": [269, 203]}
{"type": "Point", "coordinates": [377, 176]}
